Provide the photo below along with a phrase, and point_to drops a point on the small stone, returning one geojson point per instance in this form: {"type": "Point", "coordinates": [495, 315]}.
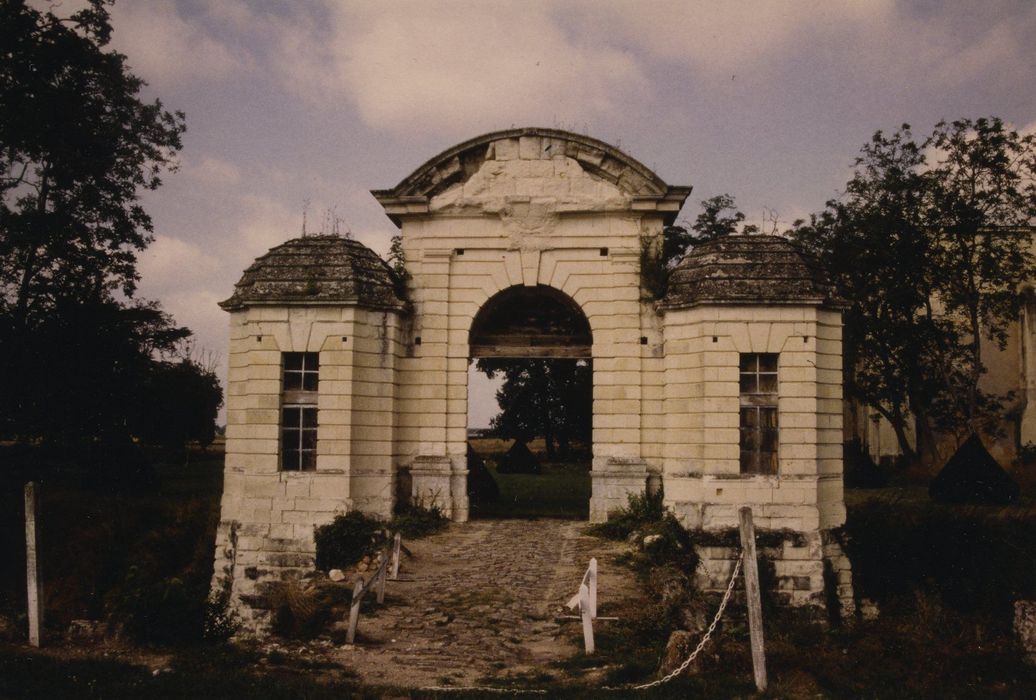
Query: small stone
{"type": "Point", "coordinates": [651, 539]}
{"type": "Point", "coordinates": [681, 644]}
{"type": "Point", "coordinates": [336, 575]}
{"type": "Point", "coordinates": [1025, 629]}
{"type": "Point", "coordinates": [87, 630]}
{"type": "Point", "coordinates": [869, 610]}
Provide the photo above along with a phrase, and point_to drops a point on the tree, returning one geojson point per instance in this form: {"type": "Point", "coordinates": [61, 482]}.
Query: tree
{"type": "Point", "coordinates": [178, 404]}
{"type": "Point", "coordinates": [549, 398]}
{"type": "Point", "coordinates": [926, 271]}
{"type": "Point", "coordinates": [983, 203]}
{"type": "Point", "coordinates": [719, 217]}
{"type": "Point", "coordinates": [77, 145]}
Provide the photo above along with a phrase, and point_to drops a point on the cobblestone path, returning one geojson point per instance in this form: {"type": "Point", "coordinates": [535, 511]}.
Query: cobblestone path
{"type": "Point", "coordinates": [484, 604]}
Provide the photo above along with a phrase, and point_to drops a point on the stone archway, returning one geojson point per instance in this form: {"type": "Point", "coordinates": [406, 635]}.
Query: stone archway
{"type": "Point", "coordinates": [541, 339]}
{"type": "Point", "coordinates": [530, 322]}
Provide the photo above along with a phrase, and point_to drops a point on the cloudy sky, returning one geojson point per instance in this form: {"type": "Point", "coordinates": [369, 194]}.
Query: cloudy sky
{"type": "Point", "coordinates": [307, 105]}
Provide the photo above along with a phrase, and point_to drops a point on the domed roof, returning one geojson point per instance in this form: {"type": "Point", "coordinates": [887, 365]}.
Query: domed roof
{"type": "Point", "coordinates": [748, 270]}
{"type": "Point", "coordinates": [317, 270]}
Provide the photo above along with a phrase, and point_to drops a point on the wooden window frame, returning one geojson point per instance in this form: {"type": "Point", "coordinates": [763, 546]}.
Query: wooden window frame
{"type": "Point", "coordinates": [300, 379]}
{"type": "Point", "coordinates": [759, 422]}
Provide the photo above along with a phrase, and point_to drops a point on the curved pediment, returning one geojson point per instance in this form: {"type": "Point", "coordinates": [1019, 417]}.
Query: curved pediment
{"type": "Point", "coordinates": [487, 171]}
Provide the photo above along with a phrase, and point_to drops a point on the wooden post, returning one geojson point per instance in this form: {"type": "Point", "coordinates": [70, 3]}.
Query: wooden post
{"type": "Point", "coordinates": [593, 588]}
{"type": "Point", "coordinates": [584, 612]}
{"type": "Point", "coordinates": [752, 593]}
{"type": "Point", "coordinates": [32, 565]}
{"type": "Point", "coordinates": [354, 610]}
{"type": "Point", "coordinates": [396, 542]}
{"type": "Point", "coordinates": [382, 573]}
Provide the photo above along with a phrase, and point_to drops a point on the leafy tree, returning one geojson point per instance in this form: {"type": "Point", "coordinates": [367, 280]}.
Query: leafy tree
{"type": "Point", "coordinates": [929, 257]}
{"type": "Point", "coordinates": [77, 145]}
{"type": "Point", "coordinates": [178, 404]}
{"type": "Point", "coordinates": [549, 398]}
{"type": "Point", "coordinates": [719, 217]}
{"type": "Point", "coordinates": [983, 193]}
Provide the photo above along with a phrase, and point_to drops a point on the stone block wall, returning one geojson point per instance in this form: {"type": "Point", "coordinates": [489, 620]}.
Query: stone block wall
{"type": "Point", "coordinates": [703, 483]}
{"type": "Point", "coordinates": [528, 217]}
{"type": "Point", "coordinates": [268, 516]}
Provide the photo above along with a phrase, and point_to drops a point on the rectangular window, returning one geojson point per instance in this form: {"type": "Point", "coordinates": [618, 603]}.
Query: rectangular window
{"type": "Point", "coordinates": [759, 435]}
{"type": "Point", "coordinates": [300, 377]}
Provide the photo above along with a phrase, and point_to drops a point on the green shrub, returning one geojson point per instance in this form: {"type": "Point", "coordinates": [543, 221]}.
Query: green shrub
{"type": "Point", "coordinates": [641, 509]}
{"type": "Point", "coordinates": [347, 539]}
{"type": "Point", "coordinates": [969, 558]}
{"type": "Point", "coordinates": [415, 520]}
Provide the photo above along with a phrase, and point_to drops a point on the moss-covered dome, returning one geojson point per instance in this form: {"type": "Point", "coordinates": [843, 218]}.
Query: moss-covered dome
{"type": "Point", "coordinates": [748, 270]}
{"type": "Point", "coordinates": [317, 270]}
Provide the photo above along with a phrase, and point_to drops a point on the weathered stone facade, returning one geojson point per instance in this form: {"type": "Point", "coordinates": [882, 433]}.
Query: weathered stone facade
{"type": "Point", "coordinates": [569, 216]}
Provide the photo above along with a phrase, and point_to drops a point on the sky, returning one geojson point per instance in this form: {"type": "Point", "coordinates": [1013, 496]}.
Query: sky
{"type": "Point", "coordinates": [301, 108]}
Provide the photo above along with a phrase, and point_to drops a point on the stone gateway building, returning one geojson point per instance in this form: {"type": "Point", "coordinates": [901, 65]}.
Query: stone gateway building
{"type": "Point", "coordinates": [348, 393]}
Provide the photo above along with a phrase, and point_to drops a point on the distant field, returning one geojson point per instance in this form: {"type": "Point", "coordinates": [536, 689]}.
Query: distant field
{"type": "Point", "coordinates": [562, 490]}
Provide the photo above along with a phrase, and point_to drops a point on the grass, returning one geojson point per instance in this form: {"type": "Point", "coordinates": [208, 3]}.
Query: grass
{"type": "Point", "coordinates": [141, 556]}
{"type": "Point", "coordinates": [561, 490]}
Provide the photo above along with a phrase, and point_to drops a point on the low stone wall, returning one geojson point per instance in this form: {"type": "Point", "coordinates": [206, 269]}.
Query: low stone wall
{"type": "Point", "coordinates": [797, 569]}
{"type": "Point", "coordinates": [250, 565]}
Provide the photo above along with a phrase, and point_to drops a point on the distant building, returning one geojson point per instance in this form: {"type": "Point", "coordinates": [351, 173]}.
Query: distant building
{"type": "Point", "coordinates": [527, 243]}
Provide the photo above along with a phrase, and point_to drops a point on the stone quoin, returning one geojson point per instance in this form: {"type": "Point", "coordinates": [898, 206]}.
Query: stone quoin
{"type": "Point", "coordinates": [342, 395]}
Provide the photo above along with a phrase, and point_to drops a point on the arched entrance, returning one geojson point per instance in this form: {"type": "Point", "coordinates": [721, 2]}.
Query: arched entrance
{"type": "Point", "coordinates": [535, 461]}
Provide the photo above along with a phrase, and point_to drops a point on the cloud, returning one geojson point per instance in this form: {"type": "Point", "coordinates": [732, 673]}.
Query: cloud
{"type": "Point", "coordinates": [436, 65]}
{"type": "Point", "coordinates": [169, 48]}
{"type": "Point", "coordinates": [171, 264]}
{"type": "Point", "coordinates": [214, 171]}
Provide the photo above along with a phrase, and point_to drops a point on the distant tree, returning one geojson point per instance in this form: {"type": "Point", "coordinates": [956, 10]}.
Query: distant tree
{"type": "Point", "coordinates": [928, 246]}
{"type": "Point", "coordinates": [178, 404]}
{"type": "Point", "coordinates": [543, 398]}
{"type": "Point", "coordinates": [719, 217]}
{"type": "Point", "coordinates": [77, 146]}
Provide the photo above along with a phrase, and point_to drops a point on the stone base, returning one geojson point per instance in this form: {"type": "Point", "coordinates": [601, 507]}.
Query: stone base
{"type": "Point", "coordinates": [436, 481]}
{"type": "Point", "coordinates": [614, 479]}
{"type": "Point", "coordinates": [249, 563]}
{"type": "Point", "coordinates": [804, 570]}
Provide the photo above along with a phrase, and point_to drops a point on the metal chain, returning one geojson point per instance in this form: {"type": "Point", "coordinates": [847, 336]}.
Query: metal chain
{"type": "Point", "coordinates": [704, 640]}
{"type": "Point", "coordinates": [481, 689]}
{"type": "Point", "coordinates": [665, 679]}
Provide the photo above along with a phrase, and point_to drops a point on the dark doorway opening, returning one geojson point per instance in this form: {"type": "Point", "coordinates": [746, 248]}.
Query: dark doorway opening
{"type": "Point", "coordinates": [532, 347]}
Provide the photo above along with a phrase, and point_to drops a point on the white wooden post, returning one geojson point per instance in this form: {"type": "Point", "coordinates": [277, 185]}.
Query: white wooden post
{"type": "Point", "coordinates": [755, 607]}
{"type": "Point", "coordinates": [593, 588]}
{"type": "Point", "coordinates": [32, 565]}
{"type": "Point", "coordinates": [354, 610]}
{"type": "Point", "coordinates": [396, 541]}
{"type": "Point", "coordinates": [584, 612]}
{"type": "Point", "coordinates": [382, 573]}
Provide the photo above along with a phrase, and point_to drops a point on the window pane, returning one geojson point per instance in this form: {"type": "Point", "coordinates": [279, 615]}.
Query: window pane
{"type": "Point", "coordinates": [290, 460]}
{"type": "Point", "coordinates": [767, 462]}
{"type": "Point", "coordinates": [748, 384]}
{"type": "Point", "coordinates": [768, 362]}
{"type": "Point", "coordinates": [292, 381]}
{"type": "Point", "coordinates": [309, 381]}
{"type": "Point", "coordinates": [309, 439]}
{"type": "Point", "coordinates": [747, 462]}
{"type": "Point", "coordinates": [309, 417]}
{"type": "Point", "coordinates": [291, 417]}
{"type": "Point", "coordinates": [768, 383]}
{"type": "Point", "coordinates": [768, 417]}
{"type": "Point", "coordinates": [748, 362]}
{"type": "Point", "coordinates": [311, 361]}
{"type": "Point", "coordinates": [768, 440]}
{"type": "Point", "coordinates": [308, 460]}
{"type": "Point", "coordinates": [293, 361]}
{"type": "Point", "coordinates": [749, 417]}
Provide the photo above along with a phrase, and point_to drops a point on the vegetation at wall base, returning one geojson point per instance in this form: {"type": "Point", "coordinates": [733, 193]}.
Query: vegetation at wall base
{"type": "Point", "coordinates": [349, 538]}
